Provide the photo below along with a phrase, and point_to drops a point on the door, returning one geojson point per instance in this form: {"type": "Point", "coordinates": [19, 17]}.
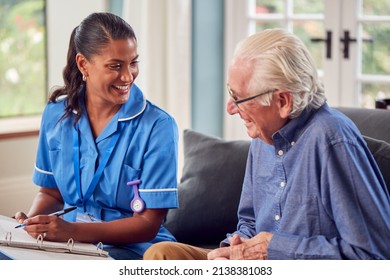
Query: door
{"type": "Point", "coordinates": [349, 41]}
{"type": "Point", "coordinates": [361, 52]}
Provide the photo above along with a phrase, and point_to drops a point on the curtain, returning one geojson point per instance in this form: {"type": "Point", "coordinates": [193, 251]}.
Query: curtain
{"type": "Point", "coordinates": [163, 30]}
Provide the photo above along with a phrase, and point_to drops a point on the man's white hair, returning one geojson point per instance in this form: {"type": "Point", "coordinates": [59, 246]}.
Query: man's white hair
{"type": "Point", "coordinates": [281, 61]}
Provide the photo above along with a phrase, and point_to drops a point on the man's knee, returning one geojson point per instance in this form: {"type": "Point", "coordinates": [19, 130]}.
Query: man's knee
{"type": "Point", "coordinates": [160, 251]}
{"type": "Point", "coordinates": [175, 251]}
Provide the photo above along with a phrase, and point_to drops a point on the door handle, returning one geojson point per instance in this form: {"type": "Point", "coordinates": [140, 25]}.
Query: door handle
{"type": "Point", "coordinates": [328, 43]}
{"type": "Point", "coordinates": [347, 39]}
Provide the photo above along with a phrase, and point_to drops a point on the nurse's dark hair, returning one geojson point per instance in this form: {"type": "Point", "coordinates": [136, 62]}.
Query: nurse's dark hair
{"type": "Point", "coordinates": [93, 34]}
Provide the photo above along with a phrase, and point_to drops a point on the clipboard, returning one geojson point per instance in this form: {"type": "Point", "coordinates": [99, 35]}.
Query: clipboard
{"type": "Point", "coordinates": [16, 243]}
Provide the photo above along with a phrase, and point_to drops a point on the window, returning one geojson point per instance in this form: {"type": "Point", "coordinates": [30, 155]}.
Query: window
{"type": "Point", "coordinates": [355, 68]}
{"type": "Point", "coordinates": [23, 83]}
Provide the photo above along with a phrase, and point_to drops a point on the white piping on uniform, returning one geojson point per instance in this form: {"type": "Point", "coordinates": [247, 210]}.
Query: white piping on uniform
{"type": "Point", "coordinates": [136, 115]}
{"type": "Point", "coordinates": [158, 190]}
{"type": "Point", "coordinates": [43, 171]}
{"type": "Point", "coordinates": [129, 118]}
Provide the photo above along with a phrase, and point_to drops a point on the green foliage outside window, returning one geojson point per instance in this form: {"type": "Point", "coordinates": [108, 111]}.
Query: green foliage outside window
{"type": "Point", "coordinates": [22, 57]}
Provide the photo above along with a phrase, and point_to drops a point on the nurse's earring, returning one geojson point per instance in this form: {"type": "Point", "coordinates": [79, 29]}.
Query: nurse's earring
{"type": "Point", "coordinates": [84, 77]}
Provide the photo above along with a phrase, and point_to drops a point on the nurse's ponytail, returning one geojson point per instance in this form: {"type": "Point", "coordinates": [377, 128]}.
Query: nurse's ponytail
{"type": "Point", "coordinates": [73, 82]}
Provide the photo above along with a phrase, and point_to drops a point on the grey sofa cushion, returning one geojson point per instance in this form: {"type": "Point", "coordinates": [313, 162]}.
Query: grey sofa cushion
{"type": "Point", "coordinates": [381, 152]}
{"type": "Point", "coordinates": [209, 190]}
{"type": "Point", "coordinates": [374, 123]}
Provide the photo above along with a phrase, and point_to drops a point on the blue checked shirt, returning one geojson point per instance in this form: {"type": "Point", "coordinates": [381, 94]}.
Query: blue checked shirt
{"type": "Point", "coordinates": [318, 190]}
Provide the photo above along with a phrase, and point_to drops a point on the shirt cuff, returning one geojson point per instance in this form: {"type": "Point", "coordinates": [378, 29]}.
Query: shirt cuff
{"type": "Point", "coordinates": [283, 246]}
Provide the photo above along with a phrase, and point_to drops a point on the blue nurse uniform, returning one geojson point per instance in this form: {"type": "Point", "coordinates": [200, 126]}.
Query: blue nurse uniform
{"type": "Point", "coordinates": [146, 149]}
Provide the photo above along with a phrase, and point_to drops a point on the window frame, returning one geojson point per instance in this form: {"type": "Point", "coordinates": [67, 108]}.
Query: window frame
{"type": "Point", "coordinates": [25, 125]}
{"type": "Point", "coordinates": [58, 29]}
{"type": "Point", "coordinates": [16, 127]}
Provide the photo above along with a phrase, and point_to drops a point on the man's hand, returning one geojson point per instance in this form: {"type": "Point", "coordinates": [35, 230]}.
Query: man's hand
{"type": "Point", "coordinates": [254, 248]}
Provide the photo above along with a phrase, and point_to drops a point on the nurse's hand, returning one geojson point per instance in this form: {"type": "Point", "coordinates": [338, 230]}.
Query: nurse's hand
{"type": "Point", "coordinates": [50, 227]}
{"type": "Point", "coordinates": [20, 217]}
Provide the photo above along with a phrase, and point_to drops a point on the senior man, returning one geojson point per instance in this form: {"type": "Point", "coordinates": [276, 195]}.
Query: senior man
{"type": "Point", "coordinates": [312, 189]}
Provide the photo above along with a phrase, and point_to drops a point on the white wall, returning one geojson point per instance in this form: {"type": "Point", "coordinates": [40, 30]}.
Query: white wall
{"type": "Point", "coordinates": [18, 154]}
{"type": "Point", "coordinates": [62, 17]}
{"type": "Point", "coordinates": [16, 167]}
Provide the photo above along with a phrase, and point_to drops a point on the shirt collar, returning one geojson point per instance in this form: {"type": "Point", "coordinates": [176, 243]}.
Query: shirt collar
{"type": "Point", "coordinates": [134, 106]}
{"type": "Point", "coordinates": [289, 134]}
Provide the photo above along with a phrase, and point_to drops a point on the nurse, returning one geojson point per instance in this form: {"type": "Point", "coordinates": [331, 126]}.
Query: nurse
{"type": "Point", "coordinates": [104, 148]}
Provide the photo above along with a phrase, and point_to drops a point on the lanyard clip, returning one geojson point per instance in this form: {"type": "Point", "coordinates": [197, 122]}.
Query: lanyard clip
{"type": "Point", "coordinates": [137, 204]}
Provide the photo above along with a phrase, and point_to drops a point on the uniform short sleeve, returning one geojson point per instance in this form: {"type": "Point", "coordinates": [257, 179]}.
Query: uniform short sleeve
{"type": "Point", "coordinates": [159, 172]}
{"type": "Point", "coordinates": [43, 172]}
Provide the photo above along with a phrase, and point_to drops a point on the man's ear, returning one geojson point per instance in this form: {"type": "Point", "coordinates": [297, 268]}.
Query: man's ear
{"type": "Point", "coordinates": [285, 103]}
{"type": "Point", "coordinates": [81, 62]}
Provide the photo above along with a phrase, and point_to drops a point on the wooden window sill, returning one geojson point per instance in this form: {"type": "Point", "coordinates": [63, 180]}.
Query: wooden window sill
{"type": "Point", "coordinates": [19, 127]}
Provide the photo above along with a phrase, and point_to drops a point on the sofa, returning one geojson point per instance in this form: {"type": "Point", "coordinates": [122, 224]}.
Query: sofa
{"type": "Point", "coordinates": [213, 172]}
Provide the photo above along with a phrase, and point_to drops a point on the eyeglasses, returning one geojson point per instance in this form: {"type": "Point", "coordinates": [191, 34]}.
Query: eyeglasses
{"type": "Point", "coordinates": [236, 102]}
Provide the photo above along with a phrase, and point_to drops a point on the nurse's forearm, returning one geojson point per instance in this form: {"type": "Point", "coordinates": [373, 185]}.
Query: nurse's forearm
{"type": "Point", "coordinates": [140, 228]}
{"type": "Point", "coordinates": [46, 201]}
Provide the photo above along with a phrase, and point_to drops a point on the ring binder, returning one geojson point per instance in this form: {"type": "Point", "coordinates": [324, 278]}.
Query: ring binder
{"type": "Point", "coordinates": [70, 244]}
{"type": "Point", "coordinates": [99, 248]}
{"type": "Point", "coordinates": [11, 237]}
{"type": "Point", "coordinates": [8, 238]}
{"type": "Point", "coordinates": [40, 241]}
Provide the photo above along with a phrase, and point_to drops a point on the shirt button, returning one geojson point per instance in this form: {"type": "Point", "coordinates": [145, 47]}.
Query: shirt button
{"type": "Point", "coordinates": [282, 184]}
{"type": "Point", "coordinates": [292, 143]}
{"type": "Point", "coordinates": [280, 152]}
{"type": "Point", "coordinates": [277, 217]}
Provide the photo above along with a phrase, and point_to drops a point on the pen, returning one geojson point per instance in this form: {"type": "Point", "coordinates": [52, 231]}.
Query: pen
{"type": "Point", "coordinates": [58, 213]}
